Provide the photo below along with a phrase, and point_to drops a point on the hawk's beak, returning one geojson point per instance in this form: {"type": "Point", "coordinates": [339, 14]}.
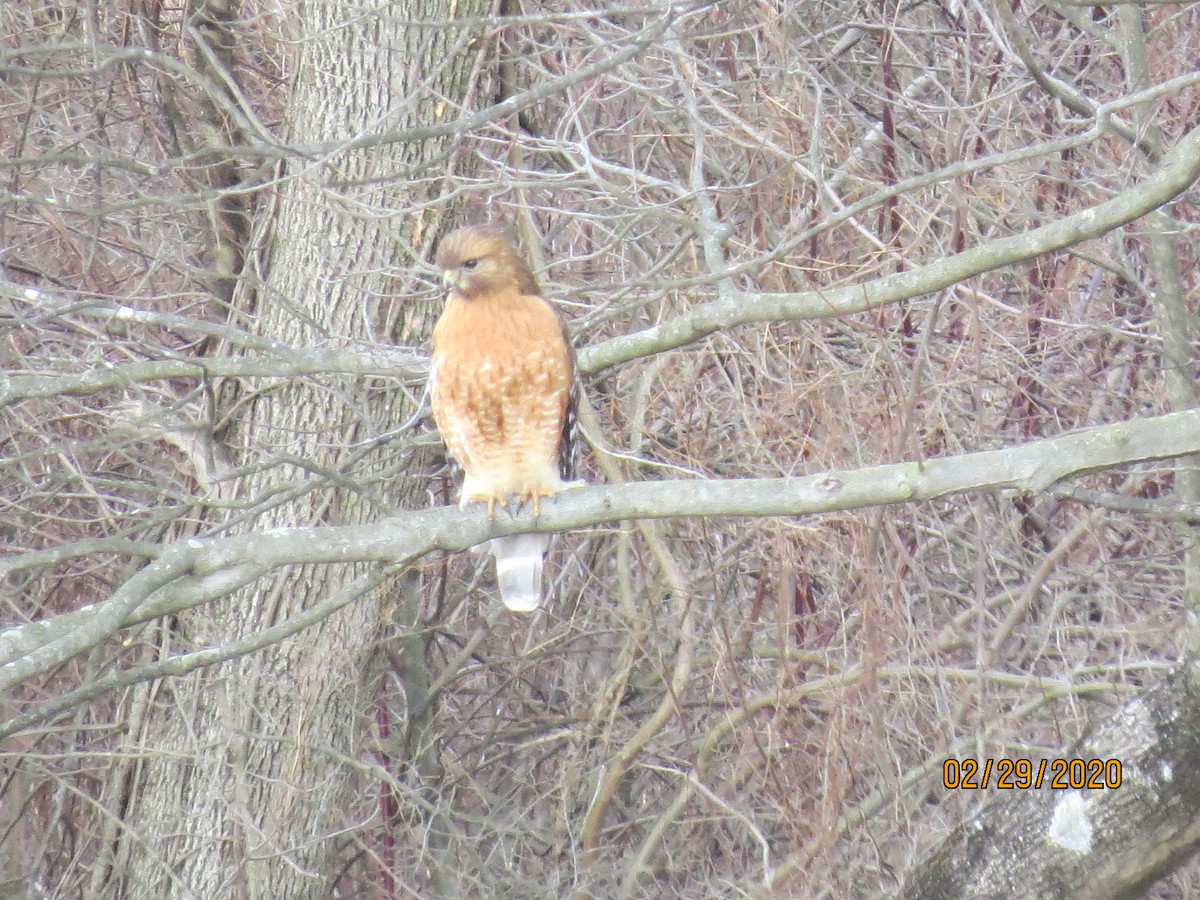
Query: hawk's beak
{"type": "Point", "coordinates": [448, 279]}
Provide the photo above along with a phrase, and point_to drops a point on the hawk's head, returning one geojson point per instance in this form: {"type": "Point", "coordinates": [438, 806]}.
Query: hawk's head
{"type": "Point", "coordinates": [479, 260]}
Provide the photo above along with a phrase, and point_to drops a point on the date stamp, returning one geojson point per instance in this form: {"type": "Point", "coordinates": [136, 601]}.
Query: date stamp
{"type": "Point", "coordinates": [1022, 774]}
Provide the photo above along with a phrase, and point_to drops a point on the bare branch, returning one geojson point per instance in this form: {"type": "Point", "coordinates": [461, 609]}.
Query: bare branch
{"type": "Point", "coordinates": [400, 540]}
{"type": "Point", "coordinates": [1179, 169]}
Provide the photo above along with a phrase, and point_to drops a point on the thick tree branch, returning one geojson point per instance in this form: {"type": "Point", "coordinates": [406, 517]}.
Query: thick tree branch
{"type": "Point", "coordinates": [195, 570]}
{"type": "Point", "coordinates": [1179, 169]}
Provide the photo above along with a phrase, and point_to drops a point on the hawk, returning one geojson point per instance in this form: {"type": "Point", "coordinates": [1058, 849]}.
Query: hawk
{"type": "Point", "coordinates": [502, 387]}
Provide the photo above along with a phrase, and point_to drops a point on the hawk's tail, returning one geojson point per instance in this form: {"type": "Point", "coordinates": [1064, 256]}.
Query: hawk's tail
{"type": "Point", "coordinates": [519, 569]}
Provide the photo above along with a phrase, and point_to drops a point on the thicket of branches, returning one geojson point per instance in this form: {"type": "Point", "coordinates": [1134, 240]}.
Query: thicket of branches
{"type": "Point", "coordinates": [706, 707]}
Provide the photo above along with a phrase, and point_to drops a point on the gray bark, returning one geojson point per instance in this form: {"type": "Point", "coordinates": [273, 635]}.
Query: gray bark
{"type": "Point", "coordinates": [1092, 843]}
{"type": "Point", "coordinates": [247, 779]}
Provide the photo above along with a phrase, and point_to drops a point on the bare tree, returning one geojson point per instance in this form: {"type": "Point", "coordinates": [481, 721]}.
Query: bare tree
{"type": "Point", "coordinates": [256, 806]}
{"type": "Point", "coordinates": [884, 315]}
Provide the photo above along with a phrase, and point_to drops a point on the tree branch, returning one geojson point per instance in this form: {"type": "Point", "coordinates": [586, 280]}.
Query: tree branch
{"type": "Point", "coordinates": [196, 570]}
{"type": "Point", "coordinates": [409, 367]}
{"type": "Point", "coordinates": [265, 145]}
{"type": "Point", "coordinates": [1179, 169]}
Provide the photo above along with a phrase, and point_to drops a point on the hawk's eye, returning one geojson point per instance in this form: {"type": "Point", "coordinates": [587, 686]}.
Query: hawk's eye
{"type": "Point", "coordinates": [471, 264]}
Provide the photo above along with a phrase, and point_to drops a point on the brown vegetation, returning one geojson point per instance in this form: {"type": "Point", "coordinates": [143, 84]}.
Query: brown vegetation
{"type": "Point", "coordinates": [706, 707]}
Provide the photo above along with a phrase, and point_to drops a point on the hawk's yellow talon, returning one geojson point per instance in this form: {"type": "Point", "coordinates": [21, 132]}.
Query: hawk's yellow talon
{"type": "Point", "coordinates": [536, 496]}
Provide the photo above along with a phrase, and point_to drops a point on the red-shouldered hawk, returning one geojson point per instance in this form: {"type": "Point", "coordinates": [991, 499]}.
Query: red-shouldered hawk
{"type": "Point", "coordinates": [502, 389]}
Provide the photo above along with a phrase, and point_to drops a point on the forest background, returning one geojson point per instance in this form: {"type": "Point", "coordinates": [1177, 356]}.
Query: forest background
{"type": "Point", "coordinates": [886, 320]}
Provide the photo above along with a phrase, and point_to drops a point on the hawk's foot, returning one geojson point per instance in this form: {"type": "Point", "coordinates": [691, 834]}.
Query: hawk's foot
{"type": "Point", "coordinates": [536, 495]}
{"type": "Point", "coordinates": [492, 501]}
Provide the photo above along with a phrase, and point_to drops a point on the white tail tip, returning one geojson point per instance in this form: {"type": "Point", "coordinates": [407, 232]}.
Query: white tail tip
{"type": "Point", "coordinates": [519, 569]}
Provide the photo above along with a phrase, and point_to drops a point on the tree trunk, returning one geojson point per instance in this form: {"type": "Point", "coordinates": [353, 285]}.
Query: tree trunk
{"type": "Point", "coordinates": [246, 782]}
{"type": "Point", "coordinates": [1106, 842]}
